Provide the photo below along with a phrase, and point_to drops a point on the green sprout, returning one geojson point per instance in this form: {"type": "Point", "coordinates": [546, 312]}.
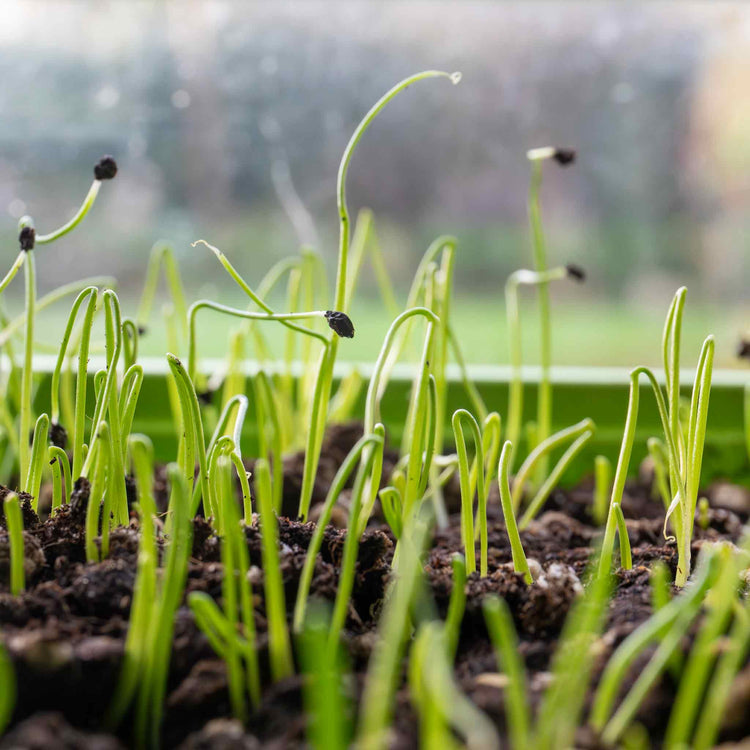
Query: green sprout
{"type": "Point", "coordinates": [162, 257]}
{"type": "Point", "coordinates": [14, 523]}
{"type": "Point", "coordinates": [544, 404]}
{"type": "Point", "coordinates": [135, 661]}
{"type": "Point", "coordinates": [539, 278]}
{"type": "Point", "coordinates": [393, 628]}
{"type": "Point", "coordinates": [520, 564]}
{"type": "Point", "coordinates": [626, 560]}
{"type": "Point", "coordinates": [342, 297]}
{"type": "Point", "coordinates": [668, 625]}
{"type": "Point", "coordinates": [684, 451]}
{"type": "Point", "coordinates": [29, 238]}
{"type": "Point", "coordinates": [505, 644]}
{"type": "Point", "coordinates": [8, 690]}
{"type": "Point", "coordinates": [36, 462]}
{"type": "Point", "coordinates": [467, 496]}
{"type": "Point", "coordinates": [438, 699]}
{"type": "Point", "coordinates": [329, 725]}
{"type": "Point", "coordinates": [368, 475]}
{"type": "Point", "coordinates": [579, 434]}
{"type": "Point", "coordinates": [150, 702]}
{"type": "Point", "coordinates": [456, 605]}
{"type": "Point", "coordinates": [729, 662]}
{"type": "Point", "coordinates": [279, 647]}
{"type": "Point", "coordinates": [602, 488]}
{"type": "Point", "coordinates": [658, 453]}
{"type": "Point", "coordinates": [572, 665]}
{"type": "Point", "coordinates": [337, 485]}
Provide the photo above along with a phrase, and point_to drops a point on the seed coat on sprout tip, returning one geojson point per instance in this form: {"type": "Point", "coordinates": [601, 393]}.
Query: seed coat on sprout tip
{"type": "Point", "coordinates": [340, 323]}
{"type": "Point", "coordinates": [575, 272]}
{"type": "Point", "coordinates": [106, 168]}
{"type": "Point", "coordinates": [27, 238]}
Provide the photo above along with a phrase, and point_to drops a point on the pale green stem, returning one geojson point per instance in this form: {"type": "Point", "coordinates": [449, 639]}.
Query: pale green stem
{"type": "Point", "coordinates": [544, 448]}
{"type": "Point", "coordinates": [88, 201]}
{"type": "Point", "coordinates": [602, 488]}
{"type": "Point", "coordinates": [520, 564]}
{"type": "Point", "coordinates": [14, 523]}
{"type": "Point", "coordinates": [553, 479]}
{"type": "Point", "coordinates": [36, 464]}
{"type": "Point", "coordinates": [28, 365]}
{"type": "Point", "coordinates": [539, 278]}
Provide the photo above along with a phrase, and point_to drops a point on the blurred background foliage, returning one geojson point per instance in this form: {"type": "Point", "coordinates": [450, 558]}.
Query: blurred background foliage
{"type": "Point", "coordinates": [215, 111]}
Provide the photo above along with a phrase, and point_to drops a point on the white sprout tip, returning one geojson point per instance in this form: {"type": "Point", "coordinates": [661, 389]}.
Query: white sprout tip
{"type": "Point", "coordinates": [537, 154]}
{"type": "Point", "coordinates": [214, 250]}
{"type": "Point", "coordinates": [455, 77]}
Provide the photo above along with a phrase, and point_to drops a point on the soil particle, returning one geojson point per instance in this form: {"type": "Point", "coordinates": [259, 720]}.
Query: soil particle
{"type": "Point", "coordinates": [50, 731]}
{"type": "Point", "coordinates": [33, 559]}
{"type": "Point", "coordinates": [221, 734]}
{"type": "Point", "coordinates": [28, 516]}
{"type": "Point", "coordinates": [66, 633]}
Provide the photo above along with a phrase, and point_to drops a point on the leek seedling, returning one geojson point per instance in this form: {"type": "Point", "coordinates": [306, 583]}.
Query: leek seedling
{"type": "Point", "coordinates": [456, 606]}
{"type": "Point", "coordinates": [467, 496]}
{"type": "Point", "coordinates": [433, 726]}
{"type": "Point", "coordinates": [674, 618]}
{"type": "Point", "coordinates": [685, 452]}
{"type": "Point", "coordinates": [193, 438]}
{"type": "Point", "coordinates": [375, 389]}
{"type": "Point", "coordinates": [7, 689]}
{"type": "Point", "coordinates": [544, 404]}
{"type": "Point", "coordinates": [14, 523]}
{"type": "Point", "coordinates": [328, 709]}
{"type": "Point", "coordinates": [135, 661]}
{"type": "Point", "coordinates": [337, 485]}
{"type": "Point", "coordinates": [520, 564]}
{"type": "Point", "coordinates": [368, 475]}
{"type": "Point", "coordinates": [553, 479]}
{"type": "Point", "coordinates": [36, 462]}
{"type": "Point", "coordinates": [89, 295]}
{"type": "Point", "coordinates": [382, 670]}
{"type": "Point", "coordinates": [539, 278]}
{"type": "Point", "coordinates": [60, 464]}
{"type": "Point", "coordinates": [391, 501]}
{"type": "Point", "coordinates": [153, 688]}
{"type": "Point", "coordinates": [29, 238]}
{"type": "Point", "coordinates": [505, 644]}
{"type": "Point", "coordinates": [572, 665]}
{"type": "Point", "coordinates": [438, 698]}
{"type": "Point", "coordinates": [685, 473]}
{"type": "Point", "coordinates": [626, 560]}
{"type": "Point", "coordinates": [234, 586]}
{"type": "Point", "coordinates": [730, 661]}
{"type": "Point", "coordinates": [280, 652]}
{"type": "Point", "coordinates": [266, 404]}
{"type": "Point", "coordinates": [602, 488]}
{"type": "Point", "coordinates": [578, 434]}
{"type": "Point", "coordinates": [658, 453]}
{"type": "Point", "coordinates": [700, 663]}
{"type": "Point", "coordinates": [221, 627]}
{"type": "Point", "coordinates": [98, 490]}
{"type": "Point", "coordinates": [341, 298]}
{"type": "Point", "coordinates": [162, 257]}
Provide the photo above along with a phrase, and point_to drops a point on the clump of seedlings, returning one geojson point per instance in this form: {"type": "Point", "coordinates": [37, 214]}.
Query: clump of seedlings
{"type": "Point", "coordinates": [306, 578]}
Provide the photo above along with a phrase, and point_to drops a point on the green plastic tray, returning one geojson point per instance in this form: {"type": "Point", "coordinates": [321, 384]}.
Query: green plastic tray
{"type": "Point", "coordinates": [599, 393]}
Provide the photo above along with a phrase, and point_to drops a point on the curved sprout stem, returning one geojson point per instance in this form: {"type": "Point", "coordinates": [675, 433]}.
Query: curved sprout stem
{"type": "Point", "coordinates": [88, 202]}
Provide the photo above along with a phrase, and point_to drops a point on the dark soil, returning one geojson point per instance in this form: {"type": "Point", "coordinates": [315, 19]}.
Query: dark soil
{"type": "Point", "coordinates": [66, 633]}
